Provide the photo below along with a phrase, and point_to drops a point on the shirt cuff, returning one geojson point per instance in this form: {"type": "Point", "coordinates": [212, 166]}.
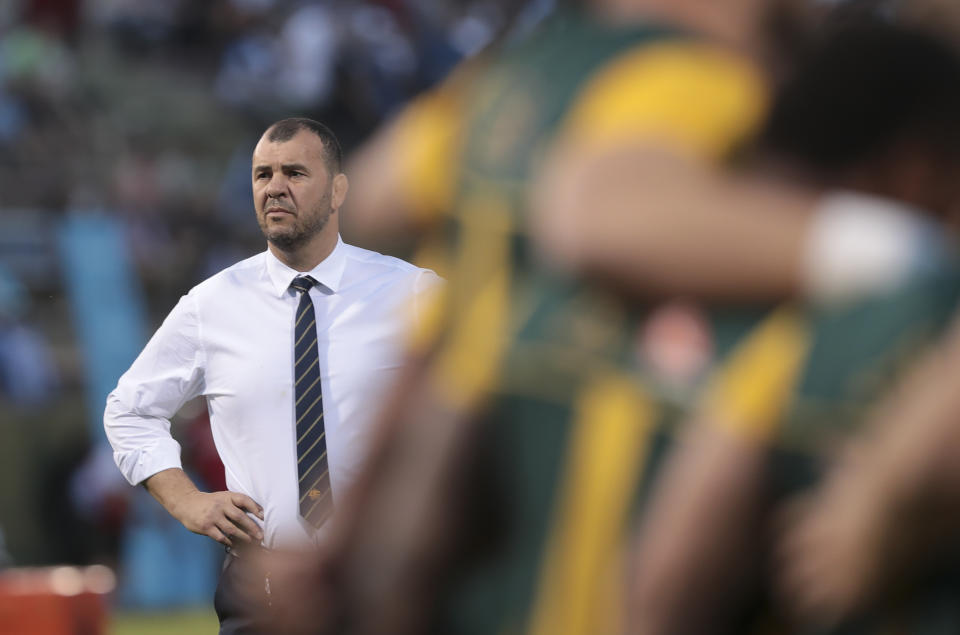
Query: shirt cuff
{"type": "Point", "coordinates": [139, 465]}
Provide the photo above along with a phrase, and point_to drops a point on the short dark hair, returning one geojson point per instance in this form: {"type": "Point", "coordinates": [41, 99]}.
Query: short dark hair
{"type": "Point", "coordinates": [286, 129]}
{"type": "Point", "coordinates": [861, 89]}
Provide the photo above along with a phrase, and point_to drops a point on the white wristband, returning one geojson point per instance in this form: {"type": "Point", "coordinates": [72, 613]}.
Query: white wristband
{"type": "Point", "coordinates": [861, 245]}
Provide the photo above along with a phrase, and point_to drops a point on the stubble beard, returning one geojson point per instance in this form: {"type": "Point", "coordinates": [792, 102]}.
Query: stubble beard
{"type": "Point", "coordinates": [304, 228]}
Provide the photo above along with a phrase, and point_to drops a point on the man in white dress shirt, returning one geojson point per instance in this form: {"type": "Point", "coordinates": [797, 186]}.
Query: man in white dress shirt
{"type": "Point", "coordinates": [236, 340]}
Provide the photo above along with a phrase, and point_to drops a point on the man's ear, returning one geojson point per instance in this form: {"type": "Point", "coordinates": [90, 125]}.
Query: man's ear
{"type": "Point", "coordinates": [340, 187]}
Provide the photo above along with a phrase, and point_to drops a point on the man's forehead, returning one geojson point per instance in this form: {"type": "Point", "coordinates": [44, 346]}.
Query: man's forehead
{"type": "Point", "coordinates": [302, 146]}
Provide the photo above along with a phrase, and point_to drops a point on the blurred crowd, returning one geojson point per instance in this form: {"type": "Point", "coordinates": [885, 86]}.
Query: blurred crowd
{"type": "Point", "coordinates": [145, 109]}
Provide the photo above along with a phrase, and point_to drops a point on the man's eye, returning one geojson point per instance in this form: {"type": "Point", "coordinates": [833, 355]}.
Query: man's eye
{"type": "Point", "coordinates": [262, 175]}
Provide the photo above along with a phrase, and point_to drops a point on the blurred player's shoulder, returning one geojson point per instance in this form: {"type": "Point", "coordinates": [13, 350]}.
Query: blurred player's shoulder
{"type": "Point", "coordinates": [861, 348]}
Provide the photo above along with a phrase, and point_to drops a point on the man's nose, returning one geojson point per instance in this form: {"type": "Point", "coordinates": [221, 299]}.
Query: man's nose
{"type": "Point", "coordinates": [277, 185]}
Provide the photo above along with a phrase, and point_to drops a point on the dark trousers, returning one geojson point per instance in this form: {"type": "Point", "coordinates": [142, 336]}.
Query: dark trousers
{"type": "Point", "coordinates": [241, 599]}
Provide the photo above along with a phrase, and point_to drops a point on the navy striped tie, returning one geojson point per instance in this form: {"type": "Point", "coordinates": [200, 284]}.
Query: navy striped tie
{"type": "Point", "coordinates": [312, 468]}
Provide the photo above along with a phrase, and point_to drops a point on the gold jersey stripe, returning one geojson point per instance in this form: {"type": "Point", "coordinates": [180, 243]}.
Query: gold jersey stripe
{"type": "Point", "coordinates": [751, 391]}
{"type": "Point", "coordinates": [579, 589]}
{"type": "Point", "coordinates": [467, 366]}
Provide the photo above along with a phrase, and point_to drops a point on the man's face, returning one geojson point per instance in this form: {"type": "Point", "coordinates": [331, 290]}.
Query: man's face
{"type": "Point", "coordinates": [291, 189]}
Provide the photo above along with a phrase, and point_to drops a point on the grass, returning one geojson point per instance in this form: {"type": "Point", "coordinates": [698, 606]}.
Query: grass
{"type": "Point", "coordinates": [191, 622]}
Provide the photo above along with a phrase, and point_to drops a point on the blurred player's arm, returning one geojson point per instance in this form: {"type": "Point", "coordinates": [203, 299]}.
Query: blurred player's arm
{"type": "Point", "coordinates": [654, 221]}
{"type": "Point", "coordinates": [698, 543]}
{"type": "Point", "coordinates": [889, 506]}
{"type": "Point", "coordinates": [694, 551]}
{"type": "Point", "coordinates": [404, 513]}
{"type": "Point", "coordinates": [633, 192]}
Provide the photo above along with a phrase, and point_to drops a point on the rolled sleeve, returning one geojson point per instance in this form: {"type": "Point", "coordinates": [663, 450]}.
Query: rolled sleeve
{"type": "Point", "coordinates": [167, 373]}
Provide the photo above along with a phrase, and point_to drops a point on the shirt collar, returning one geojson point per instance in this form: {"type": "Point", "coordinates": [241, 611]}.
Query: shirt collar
{"type": "Point", "coordinates": [328, 273]}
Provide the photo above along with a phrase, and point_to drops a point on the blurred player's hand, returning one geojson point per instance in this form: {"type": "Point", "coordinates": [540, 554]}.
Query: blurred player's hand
{"type": "Point", "coordinates": [836, 545]}
{"type": "Point", "coordinates": [889, 508]}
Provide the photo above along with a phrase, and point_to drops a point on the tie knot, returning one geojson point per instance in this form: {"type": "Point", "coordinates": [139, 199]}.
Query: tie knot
{"type": "Point", "coordinates": [302, 283]}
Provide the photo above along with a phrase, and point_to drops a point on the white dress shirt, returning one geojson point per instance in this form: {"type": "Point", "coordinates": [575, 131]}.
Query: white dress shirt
{"type": "Point", "coordinates": [230, 339]}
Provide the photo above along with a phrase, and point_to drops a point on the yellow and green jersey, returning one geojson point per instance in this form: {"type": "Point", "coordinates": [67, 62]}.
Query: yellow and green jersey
{"type": "Point", "coordinates": [571, 443]}
{"type": "Point", "coordinates": [580, 391]}
{"type": "Point", "coordinates": [548, 354]}
{"type": "Point", "coordinates": [579, 81]}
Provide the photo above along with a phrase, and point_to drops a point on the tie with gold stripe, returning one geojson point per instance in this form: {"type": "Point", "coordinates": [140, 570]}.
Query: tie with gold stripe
{"type": "Point", "coordinates": [312, 467]}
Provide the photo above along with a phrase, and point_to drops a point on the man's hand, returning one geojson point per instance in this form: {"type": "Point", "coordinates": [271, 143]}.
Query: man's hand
{"type": "Point", "coordinates": [219, 515]}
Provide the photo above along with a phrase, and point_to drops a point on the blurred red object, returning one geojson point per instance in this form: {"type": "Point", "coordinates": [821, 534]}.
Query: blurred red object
{"type": "Point", "coordinates": [55, 600]}
{"type": "Point", "coordinates": [200, 454]}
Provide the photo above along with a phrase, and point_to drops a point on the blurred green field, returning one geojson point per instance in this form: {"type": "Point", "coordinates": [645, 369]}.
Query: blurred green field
{"type": "Point", "coordinates": [193, 622]}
